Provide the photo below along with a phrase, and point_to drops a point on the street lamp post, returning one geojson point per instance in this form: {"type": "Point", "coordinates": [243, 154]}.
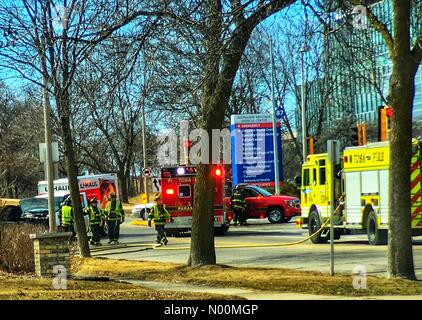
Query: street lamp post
{"type": "Point", "coordinates": [275, 139]}
{"type": "Point", "coordinates": [144, 149]}
{"type": "Point", "coordinates": [304, 48]}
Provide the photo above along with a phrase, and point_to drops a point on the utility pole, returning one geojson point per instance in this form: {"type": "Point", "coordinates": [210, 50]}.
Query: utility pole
{"type": "Point", "coordinates": [275, 139]}
{"type": "Point", "coordinates": [144, 150]}
{"type": "Point", "coordinates": [332, 150]}
{"type": "Point", "coordinates": [49, 158]}
{"type": "Point", "coordinates": [304, 48]}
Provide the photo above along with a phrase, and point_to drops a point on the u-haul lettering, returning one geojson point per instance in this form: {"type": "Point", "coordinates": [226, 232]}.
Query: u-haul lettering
{"type": "Point", "coordinates": [88, 185]}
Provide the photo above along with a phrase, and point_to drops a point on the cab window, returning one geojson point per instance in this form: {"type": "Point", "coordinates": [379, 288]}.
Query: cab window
{"type": "Point", "coordinates": [314, 177]}
{"type": "Point", "coordinates": [184, 191]}
{"type": "Point", "coordinates": [322, 178]}
{"type": "Point", "coordinates": [248, 193]}
{"type": "Point", "coordinates": [305, 181]}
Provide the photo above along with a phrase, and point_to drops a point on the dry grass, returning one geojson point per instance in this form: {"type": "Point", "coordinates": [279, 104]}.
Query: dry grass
{"type": "Point", "coordinates": [267, 279]}
{"type": "Point", "coordinates": [16, 248]}
{"type": "Point", "coordinates": [25, 287]}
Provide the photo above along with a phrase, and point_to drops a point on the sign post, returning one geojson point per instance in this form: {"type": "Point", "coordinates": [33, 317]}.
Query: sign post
{"type": "Point", "coordinates": [333, 158]}
{"type": "Point", "coordinates": [147, 172]}
{"type": "Point", "coordinates": [49, 154]}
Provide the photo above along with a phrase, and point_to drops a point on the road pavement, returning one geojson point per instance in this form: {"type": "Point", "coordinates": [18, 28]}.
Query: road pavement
{"type": "Point", "coordinates": [350, 251]}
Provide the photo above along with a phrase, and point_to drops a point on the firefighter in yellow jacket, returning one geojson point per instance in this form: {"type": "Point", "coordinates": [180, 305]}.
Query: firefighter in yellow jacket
{"type": "Point", "coordinates": [114, 215]}
{"type": "Point", "coordinates": [66, 216]}
{"type": "Point", "coordinates": [95, 218]}
{"type": "Point", "coordinates": [159, 214]}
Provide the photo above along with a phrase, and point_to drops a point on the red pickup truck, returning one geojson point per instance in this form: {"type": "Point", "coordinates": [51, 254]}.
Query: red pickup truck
{"type": "Point", "coordinates": [261, 204]}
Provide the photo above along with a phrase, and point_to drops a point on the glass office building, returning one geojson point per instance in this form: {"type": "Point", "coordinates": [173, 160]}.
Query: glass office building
{"type": "Point", "coordinates": [359, 65]}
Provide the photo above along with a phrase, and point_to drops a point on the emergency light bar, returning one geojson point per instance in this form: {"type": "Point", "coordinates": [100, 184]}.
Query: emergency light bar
{"type": "Point", "coordinates": [178, 171]}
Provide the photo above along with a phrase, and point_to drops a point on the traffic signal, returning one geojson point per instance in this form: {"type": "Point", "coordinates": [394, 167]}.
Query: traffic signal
{"type": "Point", "coordinates": [359, 137]}
{"type": "Point", "coordinates": [217, 171]}
{"type": "Point", "coordinates": [311, 144]}
{"type": "Point", "coordinates": [384, 122]}
{"type": "Point", "coordinates": [362, 134]}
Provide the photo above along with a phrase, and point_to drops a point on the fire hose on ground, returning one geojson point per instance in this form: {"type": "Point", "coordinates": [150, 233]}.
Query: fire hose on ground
{"type": "Point", "coordinates": [161, 247]}
{"type": "Point", "coordinates": [284, 244]}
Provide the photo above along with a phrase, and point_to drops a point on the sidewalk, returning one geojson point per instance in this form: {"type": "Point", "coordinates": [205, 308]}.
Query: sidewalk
{"type": "Point", "coordinates": [250, 294]}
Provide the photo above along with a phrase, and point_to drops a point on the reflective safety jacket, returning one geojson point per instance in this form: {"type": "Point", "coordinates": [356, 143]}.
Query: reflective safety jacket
{"type": "Point", "coordinates": [238, 201]}
{"type": "Point", "coordinates": [67, 215]}
{"type": "Point", "coordinates": [159, 215]}
{"type": "Point", "coordinates": [95, 215]}
{"type": "Point", "coordinates": [114, 210]}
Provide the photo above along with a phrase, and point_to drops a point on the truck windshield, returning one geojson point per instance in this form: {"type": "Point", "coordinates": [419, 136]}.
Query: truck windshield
{"type": "Point", "coordinates": [34, 204]}
{"type": "Point", "coordinates": [262, 191]}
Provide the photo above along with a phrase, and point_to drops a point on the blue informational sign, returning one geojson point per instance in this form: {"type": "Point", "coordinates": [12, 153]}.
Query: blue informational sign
{"type": "Point", "coordinates": [252, 149]}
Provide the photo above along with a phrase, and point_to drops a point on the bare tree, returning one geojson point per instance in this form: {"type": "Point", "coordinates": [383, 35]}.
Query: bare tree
{"type": "Point", "coordinates": [19, 162]}
{"type": "Point", "coordinates": [45, 42]}
{"type": "Point", "coordinates": [111, 101]}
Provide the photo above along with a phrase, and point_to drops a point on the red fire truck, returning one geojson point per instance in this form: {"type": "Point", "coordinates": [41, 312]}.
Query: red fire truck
{"type": "Point", "coordinates": [177, 189]}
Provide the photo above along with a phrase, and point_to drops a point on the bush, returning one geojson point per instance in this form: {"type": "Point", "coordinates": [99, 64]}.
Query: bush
{"type": "Point", "coordinates": [16, 248]}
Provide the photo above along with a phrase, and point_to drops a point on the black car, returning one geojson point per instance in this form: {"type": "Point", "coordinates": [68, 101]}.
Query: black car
{"type": "Point", "coordinates": [34, 210]}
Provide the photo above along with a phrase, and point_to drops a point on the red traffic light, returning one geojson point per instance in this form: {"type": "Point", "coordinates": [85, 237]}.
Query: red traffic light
{"type": "Point", "coordinates": [217, 172]}
{"type": "Point", "coordinates": [188, 144]}
{"type": "Point", "coordinates": [389, 112]}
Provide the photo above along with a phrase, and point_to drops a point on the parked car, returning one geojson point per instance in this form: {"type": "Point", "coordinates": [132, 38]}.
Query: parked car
{"type": "Point", "coordinates": [35, 209]}
{"type": "Point", "coordinates": [261, 204]}
{"type": "Point", "coordinates": [141, 210]}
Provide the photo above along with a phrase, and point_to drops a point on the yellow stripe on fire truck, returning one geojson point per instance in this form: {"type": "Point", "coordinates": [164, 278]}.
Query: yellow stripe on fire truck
{"type": "Point", "coordinates": [415, 193]}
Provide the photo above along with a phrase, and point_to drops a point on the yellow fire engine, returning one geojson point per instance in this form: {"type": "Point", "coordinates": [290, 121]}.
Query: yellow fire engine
{"type": "Point", "coordinates": [357, 183]}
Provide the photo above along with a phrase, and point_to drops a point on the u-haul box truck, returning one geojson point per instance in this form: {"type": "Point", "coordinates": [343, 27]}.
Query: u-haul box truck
{"type": "Point", "coordinates": [98, 186]}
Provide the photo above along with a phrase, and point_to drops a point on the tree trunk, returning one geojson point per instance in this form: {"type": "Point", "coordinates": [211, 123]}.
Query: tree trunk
{"type": "Point", "coordinates": [202, 243]}
{"type": "Point", "coordinates": [401, 94]}
{"type": "Point", "coordinates": [123, 186]}
{"type": "Point", "coordinates": [400, 256]}
{"type": "Point", "coordinates": [72, 173]}
{"type": "Point", "coordinates": [9, 186]}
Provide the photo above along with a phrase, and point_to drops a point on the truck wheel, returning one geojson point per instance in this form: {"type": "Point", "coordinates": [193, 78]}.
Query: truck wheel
{"type": "Point", "coordinates": [375, 236]}
{"type": "Point", "coordinates": [314, 225]}
{"type": "Point", "coordinates": [275, 215]}
{"type": "Point", "coordinates": [219, 231]}
{"type": "Point", "coordinates": [336, 234]}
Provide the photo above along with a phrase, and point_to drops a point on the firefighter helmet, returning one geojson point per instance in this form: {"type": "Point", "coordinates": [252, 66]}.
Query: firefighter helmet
{"type": "Point", "coordinates": [67, 201]}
